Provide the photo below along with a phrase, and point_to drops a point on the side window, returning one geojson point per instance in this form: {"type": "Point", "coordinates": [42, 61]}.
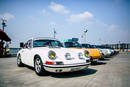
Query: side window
{"type": "Point", "coordinates": [25, 46]}
{"type": "Point", "coordinates": [28, 44]}
{"type": "Point", "coordinates": [63, 44]}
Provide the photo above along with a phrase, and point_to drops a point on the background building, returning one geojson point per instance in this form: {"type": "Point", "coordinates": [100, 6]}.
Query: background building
{"type": "Point", "coordinates": [121, 46]}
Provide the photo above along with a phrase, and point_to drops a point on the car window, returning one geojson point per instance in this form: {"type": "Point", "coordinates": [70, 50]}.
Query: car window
{"type": "Point", "coordinates": [25, 45]}
{"type": "Point", "coordinates": [72, 44]}
{"type": "Point", "coordinates": [93, 46]}
{"type": "Point", "coordinates": [86, 45]}
{"type": "Point", "coordinates": [28, 44]}
{"type": "Point", "coordinates": [44, 43]}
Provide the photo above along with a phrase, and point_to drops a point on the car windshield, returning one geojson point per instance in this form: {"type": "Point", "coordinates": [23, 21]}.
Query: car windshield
{"type": "Point", "coordinates": [86, 45]}
{"type": "Point", "coordinates": [93, 46]}
{"type": "Point", "coordinates": [102, 47]}
{"type": "Point", "coordinates": [45, 43]}
{"type": "Point", "coordinates": [72, 44]}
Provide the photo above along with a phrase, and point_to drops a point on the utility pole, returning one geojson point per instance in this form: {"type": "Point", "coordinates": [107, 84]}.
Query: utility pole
{"type": "Point", "coordinates": [2, 42]}
{"type": "Point", "coordinates": [84, 35]}
{"type": "Point", "coordinates": [3, 24]}
{"type": "Point", "coordinates": [54, 33]}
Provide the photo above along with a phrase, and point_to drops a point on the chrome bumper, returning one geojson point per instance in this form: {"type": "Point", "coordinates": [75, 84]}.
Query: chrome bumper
{"type": "Point", "coordinates": [65, 68]}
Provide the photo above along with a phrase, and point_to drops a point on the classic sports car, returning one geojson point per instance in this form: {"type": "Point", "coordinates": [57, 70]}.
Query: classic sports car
{"type": "Point", "coordinates": [48, 55]}
{"type": "Point", "coordinates": [106, 51]}
{"type": "Point", "coordinates": [95, 52]}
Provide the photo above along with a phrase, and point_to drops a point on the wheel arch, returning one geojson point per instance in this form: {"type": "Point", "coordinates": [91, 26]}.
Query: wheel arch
{"type": "Point", "coordinates": [35, 56]}
{"type": "Point", "coordinates": [18, 54]}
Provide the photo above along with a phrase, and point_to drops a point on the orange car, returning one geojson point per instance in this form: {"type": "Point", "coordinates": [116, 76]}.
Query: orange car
{"type": "Point", "coordinates": [95, 54]}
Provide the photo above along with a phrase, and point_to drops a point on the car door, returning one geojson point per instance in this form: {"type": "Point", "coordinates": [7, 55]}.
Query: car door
{"type": "Point", "coordinates": [26, 53]}
{"type": "Point", "coordinates": [29, 53]}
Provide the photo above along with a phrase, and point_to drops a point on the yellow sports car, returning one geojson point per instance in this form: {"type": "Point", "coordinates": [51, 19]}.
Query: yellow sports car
{"type": "Point", "coordinates": [94, 52]}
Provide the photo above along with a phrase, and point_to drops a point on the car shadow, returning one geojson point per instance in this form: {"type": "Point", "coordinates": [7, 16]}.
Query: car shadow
{"type": "Point", "coordinates": [29, 67]}
{"type": "Point", "coordinates": [7, 57]}
{"type": "Point", "coordinates": [98, 63]}
{"type": "Point", "coordinates": [84, 72]}
{"type": "Point", "coordinates": [105, 59]}
{"type": "Point", "coordinates": [80, 73]}
{"type": "Point", "coordinates": [109, 57]}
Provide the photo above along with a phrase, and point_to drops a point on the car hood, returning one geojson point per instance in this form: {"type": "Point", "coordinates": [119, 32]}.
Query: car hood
{"type": "Point", "coordinates": [58, 49]}
{"type": "Point", "coordinates": [60, 53]}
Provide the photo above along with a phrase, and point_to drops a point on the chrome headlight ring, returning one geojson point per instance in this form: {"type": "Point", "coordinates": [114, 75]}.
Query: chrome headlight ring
{"type": "Point", "coordinates": [80, 55]}
{"type": "Point", "coordinates": [52, 55]}
{"type": "Point", "coordinates": [68, 56]}
{"type": "Point", "coordinates": [100, 51]}
{"type": "Point", "coordinates": [86, 54]}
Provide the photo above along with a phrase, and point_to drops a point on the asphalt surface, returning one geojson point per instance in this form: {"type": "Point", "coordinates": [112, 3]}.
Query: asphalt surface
{"type": "Point", "coordinates": [111, 72]}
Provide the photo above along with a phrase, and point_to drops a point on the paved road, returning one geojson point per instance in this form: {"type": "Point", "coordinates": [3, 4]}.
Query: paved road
{"type": "Point", "coordinates": [112, 72]}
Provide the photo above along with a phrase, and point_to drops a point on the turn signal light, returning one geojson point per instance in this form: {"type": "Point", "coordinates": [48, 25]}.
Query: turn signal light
{"type": "Point", "coordinates": [49, 63]}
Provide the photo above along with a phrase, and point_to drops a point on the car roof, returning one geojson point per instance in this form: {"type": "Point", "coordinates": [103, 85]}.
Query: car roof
{"type": "Point", "coordinates": [85, 44]}
{"type": "Point", "coordinates": [44, 38]}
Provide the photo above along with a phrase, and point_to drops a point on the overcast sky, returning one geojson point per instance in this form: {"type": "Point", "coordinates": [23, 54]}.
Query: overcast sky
{"type": "Point", "coordinates": [107, 21]}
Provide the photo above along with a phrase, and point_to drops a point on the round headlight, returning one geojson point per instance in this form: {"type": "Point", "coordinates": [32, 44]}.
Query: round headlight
{"type": "Point", "coordinates": [80, 56]}
{"type": "Point", "coordinates": [86, 53]}
{"type": "Point", "coordinates": [100, 51]}
{"type": "Point", "coordinates": [68, 56]}
{"type": "Point", "coordinates": [52, 55]}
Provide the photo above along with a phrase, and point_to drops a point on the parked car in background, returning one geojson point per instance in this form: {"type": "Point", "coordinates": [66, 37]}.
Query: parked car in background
{"type": "Point", "coordinates": [48, 55]}
{"type": "Point", "coordinates": [106, 51]}
{"type": "Point", "coordinates": [95, 54]}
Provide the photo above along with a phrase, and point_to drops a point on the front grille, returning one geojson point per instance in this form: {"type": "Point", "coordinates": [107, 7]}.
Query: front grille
{"type": "Point", "coordinates": [59, 63]}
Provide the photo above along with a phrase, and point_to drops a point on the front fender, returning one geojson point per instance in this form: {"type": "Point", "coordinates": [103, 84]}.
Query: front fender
{"type": "Point", "coordinates": [41, 54]}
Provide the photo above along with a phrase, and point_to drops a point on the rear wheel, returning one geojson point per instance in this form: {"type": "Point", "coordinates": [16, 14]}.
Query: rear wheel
{"type": "Point", "coordinates": [19, 62]}
{"type": "Point", "coordinates": [39, 69]}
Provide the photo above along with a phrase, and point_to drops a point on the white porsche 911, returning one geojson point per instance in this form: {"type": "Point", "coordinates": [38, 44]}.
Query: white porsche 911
{"type": "Point", "coordinates": [48, 55]}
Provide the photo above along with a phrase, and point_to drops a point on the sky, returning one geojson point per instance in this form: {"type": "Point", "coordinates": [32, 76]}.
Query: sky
{"type": "Point", "coordinates": [107, 21]}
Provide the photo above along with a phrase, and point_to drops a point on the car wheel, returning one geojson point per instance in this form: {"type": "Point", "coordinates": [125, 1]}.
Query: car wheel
{"type": "Point", "coordinates": [102, 57]}
{"type": "Point", "coordinates": [19, 62]}
{"type": "Point", "coordinates": [39, 69]}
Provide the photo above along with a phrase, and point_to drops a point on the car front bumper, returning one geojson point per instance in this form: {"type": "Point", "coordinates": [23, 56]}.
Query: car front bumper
{"type": "Point", "coordinates": [65, 68]}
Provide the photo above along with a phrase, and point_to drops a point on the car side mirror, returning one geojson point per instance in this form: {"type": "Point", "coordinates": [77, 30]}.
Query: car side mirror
{"type": "Point", "coordinates": [21, 44]}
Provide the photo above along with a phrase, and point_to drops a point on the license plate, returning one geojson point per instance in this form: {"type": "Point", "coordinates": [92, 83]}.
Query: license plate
{"type": "Point", "coordinates": [95, 59]}
{"type": "Point", "coordinates": [75, 69]}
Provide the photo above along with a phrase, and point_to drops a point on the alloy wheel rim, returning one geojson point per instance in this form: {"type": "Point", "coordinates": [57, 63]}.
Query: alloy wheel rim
{"type": "Point", "coordinates": [18, 60]}
{"type": "Point", "coordinates": [38, 65]}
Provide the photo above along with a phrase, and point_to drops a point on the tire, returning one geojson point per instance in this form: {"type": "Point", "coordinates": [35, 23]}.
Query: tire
{"type": "Point", "coordinates": [92, 62]}
{"type": "Point", "coordinates": [39, 69]}
{"type": "Point", "coordinates": [102, 57]}
{"type": "Point", "coordinates": [19, 61]}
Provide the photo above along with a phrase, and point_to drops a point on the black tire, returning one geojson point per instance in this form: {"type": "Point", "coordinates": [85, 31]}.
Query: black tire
{"type": "Point", "coordinates": [92, 62]}
{"type": "Point", "coordinates": [102, 57]}
{"type": "Point", "coordinates": [38, 65]}
{"type": "Point", "coordinates": [19, 61]}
